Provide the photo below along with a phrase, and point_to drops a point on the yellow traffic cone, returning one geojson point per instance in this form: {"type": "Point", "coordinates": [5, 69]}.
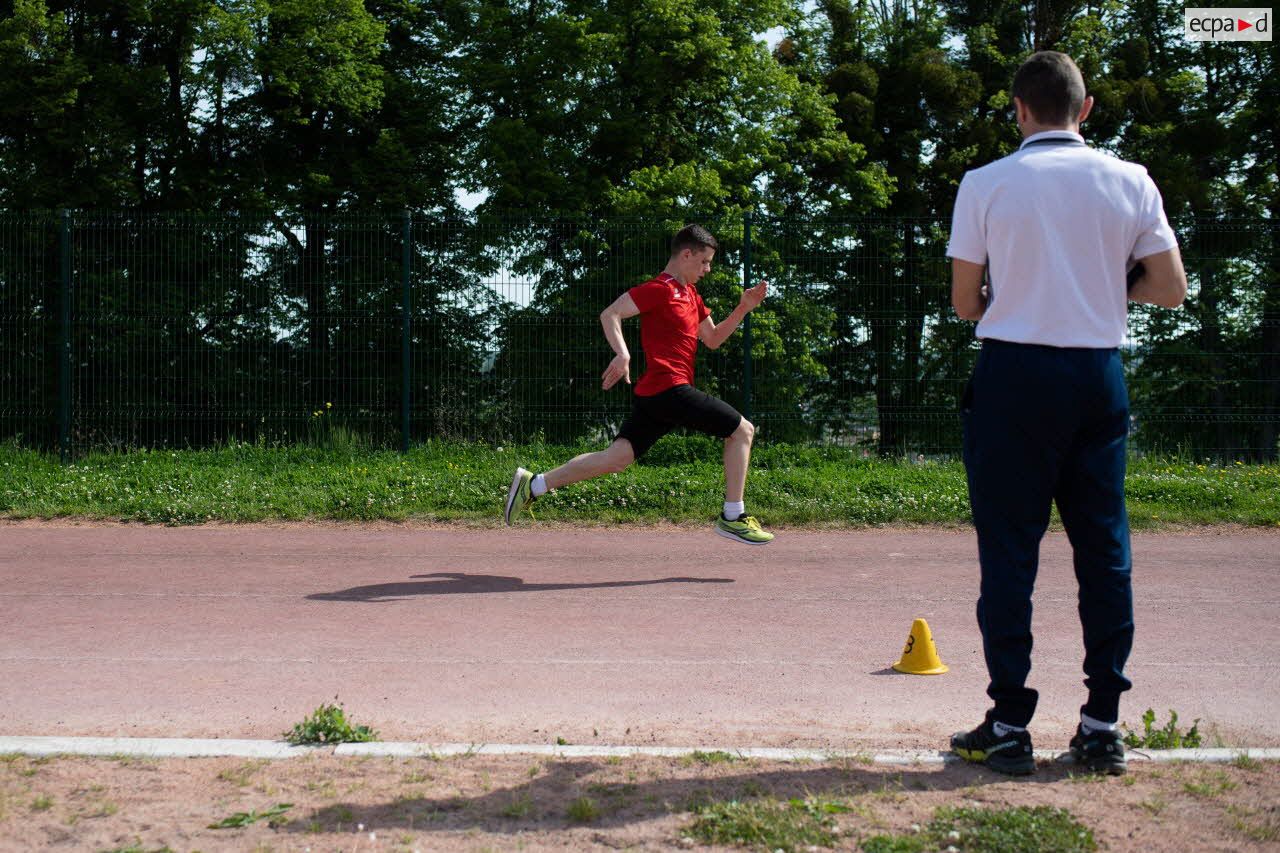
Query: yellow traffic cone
{"type": "Point", "coordinates": [920, 656]}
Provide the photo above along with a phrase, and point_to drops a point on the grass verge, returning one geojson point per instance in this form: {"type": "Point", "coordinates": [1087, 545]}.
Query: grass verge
{"type": "Point", "coordinates": [679, 481]}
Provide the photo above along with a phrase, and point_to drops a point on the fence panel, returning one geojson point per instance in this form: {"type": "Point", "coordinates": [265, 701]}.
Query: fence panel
{"type": "Point", "coordinates": [193, 329]}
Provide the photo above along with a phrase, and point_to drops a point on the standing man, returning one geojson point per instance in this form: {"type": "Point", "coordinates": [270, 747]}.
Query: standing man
{"type": "Point", "coordinates": [672, 321]}
{"type": "Point", "coordinates": [1054, 226]}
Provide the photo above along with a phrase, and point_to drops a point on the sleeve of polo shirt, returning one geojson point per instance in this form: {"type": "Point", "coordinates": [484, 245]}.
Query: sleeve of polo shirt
{"type": "Point", "coordinates": [1154, 234]}
{"type": "Point", "coordinates": [703, 311]}
{"type": "Point", "coordinates": [648, 296]}
{"type": "Point", "coordinates": [968, 235]}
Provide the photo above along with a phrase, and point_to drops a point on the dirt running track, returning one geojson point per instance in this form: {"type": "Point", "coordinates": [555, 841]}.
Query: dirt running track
{"type": "Point", "coordinates": [627, 636]}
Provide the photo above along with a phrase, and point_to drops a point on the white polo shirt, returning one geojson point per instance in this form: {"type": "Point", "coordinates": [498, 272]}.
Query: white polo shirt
{"type": "Point", "coordinates": [1057, 225]}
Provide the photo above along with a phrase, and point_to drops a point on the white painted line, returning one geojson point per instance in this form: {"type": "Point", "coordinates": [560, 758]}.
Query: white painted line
{"type": "Point", "coordinates": [1202, 755]}
{"type": "Point", "coordinates": [152, 747]}
{"type": "Point", "coordinates": [213, 747]}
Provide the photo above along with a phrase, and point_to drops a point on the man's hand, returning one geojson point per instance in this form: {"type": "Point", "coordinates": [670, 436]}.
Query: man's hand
{"type": "Point", "coordinates": [619, 368]}
{"type": "Point", "coordinates": [753, 296]}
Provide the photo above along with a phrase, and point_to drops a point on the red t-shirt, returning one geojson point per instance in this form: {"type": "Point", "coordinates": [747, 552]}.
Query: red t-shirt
{"type": "Point", "coordinates": [670, 313]}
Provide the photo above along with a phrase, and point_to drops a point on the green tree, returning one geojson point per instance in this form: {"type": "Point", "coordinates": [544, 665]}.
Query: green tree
{"type": "Point", "coordinates": [1201, 117]}
{"type": "Point", "coordinates": [655, 110]}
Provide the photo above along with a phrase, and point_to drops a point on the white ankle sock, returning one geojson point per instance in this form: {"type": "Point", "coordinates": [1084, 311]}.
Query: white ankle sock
{"type": "Point", "coordinates": [733, 509]}
{"type": "Point", "coordinates": [1090, 725]}
{"type": "Point", "coordinates": [538, 487]}
{"type": "Point", "coordinates": [1002, 729]}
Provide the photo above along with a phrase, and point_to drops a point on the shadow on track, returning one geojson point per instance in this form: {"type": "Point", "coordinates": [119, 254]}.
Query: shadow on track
{"type": "Point", "coordinates": [459, 583]}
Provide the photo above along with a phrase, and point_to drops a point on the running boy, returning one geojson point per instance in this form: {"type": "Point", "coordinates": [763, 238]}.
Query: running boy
{"type": "Point", "coordinates": [673, 319]}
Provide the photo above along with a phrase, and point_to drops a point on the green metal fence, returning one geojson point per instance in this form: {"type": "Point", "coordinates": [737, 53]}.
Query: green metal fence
{"type": "Point", "coordinates": [127, 329]}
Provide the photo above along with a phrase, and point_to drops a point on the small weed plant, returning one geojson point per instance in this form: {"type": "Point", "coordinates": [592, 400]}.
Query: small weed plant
{"type": "Point", "coordinates": [274, 816]}
{"type": "Point", "coordinates": [1023, 829]}
{"type": "Point", "coordinates": [1167, 736]}
{"type": "Point", "coordinates": [1260, 825]}
{"type": "Point", "coordinates": [519, 807]}
{"type": "Point", "coordinates": [583, 810]}
{"type": "Point", "coordinates": [767, 823]}
{"type": "Point", "coordinates": [329, 724]}
{"type": "Point", "coordinates": [1209, 785]}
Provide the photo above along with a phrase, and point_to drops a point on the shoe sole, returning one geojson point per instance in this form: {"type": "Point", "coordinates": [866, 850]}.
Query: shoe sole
{"type": "Point", "coordinates": [736, 538]}
{"type": "Point", "coordinates": [511, 495]}
{"type": "Point", "coordinates": [1010, 767]}
{"type": "Point", "coordinates": [1103, 765]}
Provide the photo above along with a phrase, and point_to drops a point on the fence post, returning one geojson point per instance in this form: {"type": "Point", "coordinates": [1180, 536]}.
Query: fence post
{"type": "Point", "coordinates": [746, 324]}
{"type": "Point", "coordinates": [64, 336]}
{"type": "Point", "coordinates": [406, 360]}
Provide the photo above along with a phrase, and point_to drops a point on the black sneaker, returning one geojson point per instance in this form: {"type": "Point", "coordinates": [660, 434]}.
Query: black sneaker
{"type": "Point", "coordinates": [1101, 751]}
{"type": "Point", "coordinates": [1008, 754]}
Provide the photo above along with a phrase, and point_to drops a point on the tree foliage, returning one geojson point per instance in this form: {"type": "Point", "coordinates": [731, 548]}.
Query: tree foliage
{"type": "Point", "coordinates": [580, 133]}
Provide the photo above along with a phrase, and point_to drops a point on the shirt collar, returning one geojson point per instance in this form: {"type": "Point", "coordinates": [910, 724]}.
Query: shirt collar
{"type": "Point", "coordinates": [668, 278]}
{"type": "Point", "coordinates": [1064, 135]}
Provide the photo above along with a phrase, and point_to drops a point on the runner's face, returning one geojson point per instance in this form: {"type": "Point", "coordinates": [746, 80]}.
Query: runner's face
{"type": "Point", "coordinates": [697, 264]}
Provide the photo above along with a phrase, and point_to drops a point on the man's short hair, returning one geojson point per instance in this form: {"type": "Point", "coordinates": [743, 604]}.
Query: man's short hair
{"type": "Point", "coordinates": [1051, 86]}
{"type": "Point", "coordinates": [694, 238]}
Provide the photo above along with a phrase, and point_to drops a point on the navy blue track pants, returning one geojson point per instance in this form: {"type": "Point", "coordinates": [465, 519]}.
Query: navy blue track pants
{"type": "Point", "coordinates": [1043, 425]}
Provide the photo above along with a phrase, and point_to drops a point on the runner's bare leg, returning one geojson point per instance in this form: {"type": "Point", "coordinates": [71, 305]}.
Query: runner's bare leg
{"type": "Point", "coordinates": [616, 457]}
{"type": "Point", "coordinates": [737, 456]}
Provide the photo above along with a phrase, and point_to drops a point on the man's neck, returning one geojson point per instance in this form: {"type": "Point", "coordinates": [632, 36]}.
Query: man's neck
{"type": "Point", "coordinates": [671, 271]}
{"type": "Point", "coordinates": [1030, 129]}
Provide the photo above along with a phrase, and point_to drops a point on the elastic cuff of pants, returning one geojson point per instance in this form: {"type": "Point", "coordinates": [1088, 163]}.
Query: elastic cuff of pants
{"type": "Point", "coordinates": [1102, 707]}
{"type": "Point", "coordinates": [1014, 718]}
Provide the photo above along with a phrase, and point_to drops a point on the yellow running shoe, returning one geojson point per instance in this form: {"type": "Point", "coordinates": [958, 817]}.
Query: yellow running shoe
{"type": "Point", "coordinates": [745, 530]}
{"type": "Point", "coordinates": [518, 496]}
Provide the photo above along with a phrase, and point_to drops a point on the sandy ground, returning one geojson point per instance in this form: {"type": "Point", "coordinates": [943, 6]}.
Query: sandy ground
{"type": "Point", "coordinates": [513, 803]}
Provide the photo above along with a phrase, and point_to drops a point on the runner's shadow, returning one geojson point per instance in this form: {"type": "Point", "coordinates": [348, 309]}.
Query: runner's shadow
{"type": "Point", "coordinates": [460, 583]}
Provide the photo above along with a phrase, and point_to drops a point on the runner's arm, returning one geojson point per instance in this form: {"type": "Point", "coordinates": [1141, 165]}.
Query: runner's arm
{"type": "Point", "coordinates": [611, 319]}
{"type": "Point", "coordinates": [713, 334]}
{"type": "Point", "coordinates": [968, 296]}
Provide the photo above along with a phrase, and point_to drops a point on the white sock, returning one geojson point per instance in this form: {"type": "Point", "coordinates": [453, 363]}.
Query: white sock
{"type": "Point", "coordinates": [733, 509]}
{"type": "Point", "coordinates": [1090, 725]}
{"type": "Point", "coordinates": [538, 487]}
{"type": "Point", "coordinates": [1002, 729]}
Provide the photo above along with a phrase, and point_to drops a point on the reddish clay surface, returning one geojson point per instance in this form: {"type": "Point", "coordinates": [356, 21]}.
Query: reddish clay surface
{"type": "Point", "coordinates": [607, 635]}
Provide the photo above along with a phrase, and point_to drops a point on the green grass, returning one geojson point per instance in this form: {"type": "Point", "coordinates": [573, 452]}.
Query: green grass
{"type": "Point", "coordinates": [1210, 784]}
{"type": "Point", "coordinates": [716, 756]}
{"type": "Point", "coordinates": [1262, 826]}
{"type": "Point", "coordinates": [769, 824]}
{"type": "Point", "coordinates": [1022, 829]}
{"type": "Point", "coordinates": [680, 480]}
{"type": "Point", "coordinates": [583, 810]}
{"type": "Point", "coordinates": [519, 807]}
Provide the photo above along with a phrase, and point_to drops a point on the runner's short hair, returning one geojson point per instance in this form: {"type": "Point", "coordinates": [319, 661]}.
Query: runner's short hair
{"type": "Point", "coordinates": [1051, 86]}
{"type": "Point", "coordinates": [694, 238]}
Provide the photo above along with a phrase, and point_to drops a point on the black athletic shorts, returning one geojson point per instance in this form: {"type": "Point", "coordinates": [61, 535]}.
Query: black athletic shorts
{"type": "Point", "coordinates": [682, 406]}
